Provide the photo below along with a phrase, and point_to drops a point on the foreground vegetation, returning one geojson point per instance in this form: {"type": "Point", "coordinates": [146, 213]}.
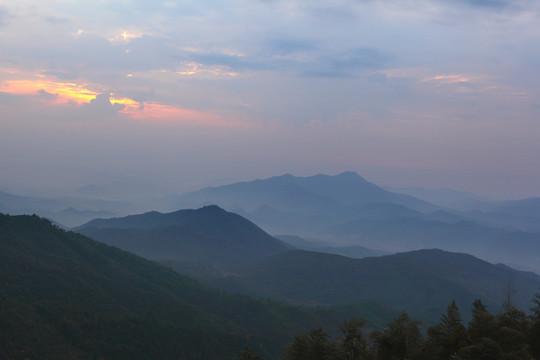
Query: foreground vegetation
{"type": "Point", "coordinates": [509, 335]}
{"type": "Point", "coordinates": [65, 296]}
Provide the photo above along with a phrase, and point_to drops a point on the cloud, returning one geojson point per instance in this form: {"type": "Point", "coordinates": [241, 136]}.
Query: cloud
{"type": "Point", "coordinates": [4, 15]}
{"type": "Point", "coordinates": [499, 4]}
{"type": "Point", "coordinates": [56, 19]}
{"type": "Point", "coordinates": [349, 63]}
{"type": "Point", "coordinates": [234, 62]}
{"type": "Point", "coordinates": [285, 45]}
{"type": "Point", "coordinates": [101, 107]}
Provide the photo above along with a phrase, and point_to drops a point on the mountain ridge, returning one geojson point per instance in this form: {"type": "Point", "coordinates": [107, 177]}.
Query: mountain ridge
{"type": "Point", "coordinates": [209, 234]}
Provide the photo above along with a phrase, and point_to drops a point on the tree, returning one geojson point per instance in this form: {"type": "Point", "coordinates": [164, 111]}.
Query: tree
{"type": "Point", "coordinates": [400, 340]}
{"type": "Point", "coordinates": [534, 332]}
{"type": "Point", "coordinates": [512, 331]}
{"type": "Point", "coordinates": [482, 324]}
{"type": "Point", "coordinates": [353, 345]}
{"type": "Point", "coordinates": [246, 354]}
{"type": "Point", "coordinates": [447, 337]}
{"type": "Point", "coordinates": [311, 346]}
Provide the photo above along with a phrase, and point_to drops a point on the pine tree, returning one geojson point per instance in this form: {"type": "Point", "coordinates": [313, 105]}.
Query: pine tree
{"type": "Point", "coordinates": [400, 340]}
{"type": "Point", "coordinates": [311, 346]}
{"type": "Point", "coordinates": [534, 332]}
{"type": "Point", "coordinates": [246, 354]}
{"type": "Point", "coordinates": [447, 337]}
{"type": "Point", "coordinates": [353, 345]}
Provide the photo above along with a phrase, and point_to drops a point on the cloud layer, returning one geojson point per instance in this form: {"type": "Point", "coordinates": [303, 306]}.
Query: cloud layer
{"type": "Point", "coordinates": [445, 89]}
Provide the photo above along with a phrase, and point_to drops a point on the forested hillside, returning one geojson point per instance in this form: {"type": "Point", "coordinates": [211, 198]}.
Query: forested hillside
{"type": "Point", "coordinates": [63, 295]}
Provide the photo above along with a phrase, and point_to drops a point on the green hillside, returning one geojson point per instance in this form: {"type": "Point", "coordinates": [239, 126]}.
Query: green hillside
{"type": "Point", "coordinates": [420, 282]}
{"type": "Point", "coordinates": [63, 295]}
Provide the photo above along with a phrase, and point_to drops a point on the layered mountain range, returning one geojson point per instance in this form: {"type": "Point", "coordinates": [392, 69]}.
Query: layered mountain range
{"type": "Point", "coordinates": [64, 294]}
{"type": "Point", "coordinates": [227, 251]}
{"type": "Point", "coordinates": [346, 210]}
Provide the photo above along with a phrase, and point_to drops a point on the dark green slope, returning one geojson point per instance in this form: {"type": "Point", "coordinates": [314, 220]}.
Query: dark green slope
{"type": "Point", "coordinates": [63, 295]}
{"type": "Point", "coordinates": [209, 234]}
{"type": "Point", "coordinates": [420, 282]}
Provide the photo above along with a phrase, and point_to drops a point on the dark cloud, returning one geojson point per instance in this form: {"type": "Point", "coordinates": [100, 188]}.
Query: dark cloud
{"type": "Point", "coordinates": [56, 19]}
{"type": "Point", "coordinates": [64, 74]}
{"type": "Point", "coordinates": [332, 13]}
{"type": "Point", "coordinates": [349, 63]}
{"type": "Point", "coordinates": [139, 96]}
{"type": "Point", "coordinates": [488, 3]}
{"type": "Point", "coordinates": [285, 45]}
{"type": "Point", "coordinates": [236, 63]}
{"type": "Point", "coordinates": [101, 108]}
{"type": "Point", "coordinates": [47, 96]}
{"type": "Point", "coordinates": [494, 5]}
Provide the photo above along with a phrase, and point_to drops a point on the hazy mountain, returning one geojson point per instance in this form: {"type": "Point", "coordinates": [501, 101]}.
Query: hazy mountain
{"type": "Point", "coordinates": [209, 234]}
{"type": "Point", "coordinates": [301, 205]}
{"type": "Point", "coordinates": [352, 190]}
{"type": "Point", "coordinates": [420, 282]}
{"type": "Point", "coordinates": [523, 214]}
{"type": "Point", "coordinates": [442, 197]}
{"type": "Point", "coordinates": [66, 296]}
{"type": "Point", "coordinates": [72, 217]}
{"type": "Point", "coordinates": [525, 207]}
{"type": "Point", "coordinates": [352, 251]}
{"type": "Point", "coordinates": [68, 211]}
{"type": "Point", "coordinates": [311, 194]}
{"type": "Point", "coordinates": [515, 248]}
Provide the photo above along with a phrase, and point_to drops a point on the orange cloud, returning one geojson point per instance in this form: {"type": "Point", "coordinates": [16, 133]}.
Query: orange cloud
{"type": "Point", "coordinates": [80, 94]}
{"type": "Point", "coordinates": [450, 78]}
{"type": "Point", "coordinates": [66, 91]}
{"type": "Point", "coordinates": [172, 114]}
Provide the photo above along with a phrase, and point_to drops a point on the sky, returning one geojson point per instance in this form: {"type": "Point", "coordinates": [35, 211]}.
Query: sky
{"type": "Point", "coordinates": [186, 94]}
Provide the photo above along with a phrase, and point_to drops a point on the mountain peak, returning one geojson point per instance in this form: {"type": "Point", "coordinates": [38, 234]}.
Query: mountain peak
{"type": "Point", "coordinates": [348, 174]}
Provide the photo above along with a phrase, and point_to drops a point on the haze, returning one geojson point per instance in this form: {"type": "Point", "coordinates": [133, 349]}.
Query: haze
{"type": "Point", "coordinates": [187, 94]}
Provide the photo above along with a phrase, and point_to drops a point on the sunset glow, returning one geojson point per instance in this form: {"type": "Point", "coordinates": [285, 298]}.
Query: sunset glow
{"type": "Point", "coordinates": [449, 86]}
{"type": "Point", "coordinates": [67, 92]}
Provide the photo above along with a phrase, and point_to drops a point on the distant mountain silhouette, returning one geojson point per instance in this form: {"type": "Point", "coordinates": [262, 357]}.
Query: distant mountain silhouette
{"type": "Point", "coordinates": [291, 193]}
{"type": "Point", "coordinates": [442, 197]}
{"type": "Point", "coordinates": [420, 282]}
{"type": "Point", "coordinates": [352, 251]}
{"type": "Point", "coordinates": [300, 205]}
{"type": "Point", "coordinates": [209, 234]}
{"type": "Point", "coordinates": [523, 214]}
{"type": "Point", "coordinates": [516, 248]}
{"type": "Point", "coordinates": [64, 210]}
{"type": "Point", "coordinates": [66, 296]}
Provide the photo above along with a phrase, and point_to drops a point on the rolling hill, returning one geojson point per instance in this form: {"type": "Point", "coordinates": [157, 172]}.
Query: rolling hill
{"type": "Point", "coordinates": [63, 295]}
{"type": "Point", "coordinates": [209, 234]}
{"type": "Point", "coordinates": [420, 282]}
{"type": "Point", "coordinates": [515, 248]}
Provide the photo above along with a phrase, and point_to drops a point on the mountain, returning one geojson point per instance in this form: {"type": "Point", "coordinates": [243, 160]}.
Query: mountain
{"type": "Point", "coordinates": [420, 282]}
{"type": "Point", "coordinates": [68, 211]}
{"type": "Point", "coordinates": [72, 217]}
{"type": "Point", "coordinates": [63, 295]}
{"type": "Point", "coordinates": [300, 205]}
{"type": "Point", "coordinates": [209, 234]}
{"type": "Point", "coordinates": [516, 248]}
{"type": "Point", "coordinates": [442, 197]}
{"type": "Point", "coordinates": [352, 251]}
{"type": "Point", "coordinates": [522, 214]}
